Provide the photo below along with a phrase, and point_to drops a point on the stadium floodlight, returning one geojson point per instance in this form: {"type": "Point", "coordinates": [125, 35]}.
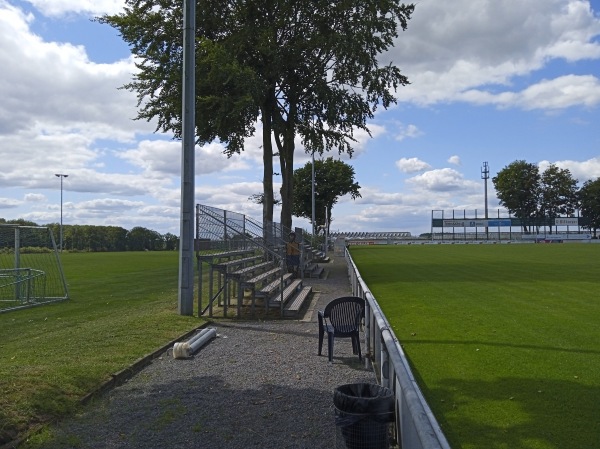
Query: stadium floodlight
{"type": "Point", "coordinates": [61, 176]}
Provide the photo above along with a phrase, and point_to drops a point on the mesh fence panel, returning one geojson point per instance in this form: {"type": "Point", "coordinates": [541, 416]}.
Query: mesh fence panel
{"type": "Point", "coordinates": [30, 268]}
{"type": "Point", "coordinates": [223, 230]}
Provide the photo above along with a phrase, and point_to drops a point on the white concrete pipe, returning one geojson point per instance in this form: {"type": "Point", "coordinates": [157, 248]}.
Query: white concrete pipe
{"type": "Point", "coordinates": [182, 350]}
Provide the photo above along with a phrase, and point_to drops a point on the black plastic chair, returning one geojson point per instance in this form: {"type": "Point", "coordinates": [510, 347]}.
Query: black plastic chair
{"type": "Point", "coordinates": [342, 318]}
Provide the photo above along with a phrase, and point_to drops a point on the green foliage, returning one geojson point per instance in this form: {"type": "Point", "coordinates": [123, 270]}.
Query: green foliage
{"type": "Point", "coordinates": [228, 96]}
{"type": "Point", "coordinates": [558, 192]}
{"type": "Point", "coordinates": [518, 189]}
{"type": "Point", "coordinates": [503, 339]}
{"type": "Point", "coordinates": [34, 250]}
{"type": "Point", "coordinates": [307, 69]}
{"type": "Point", "coordinates": [142, 239]}
{"type": "Point", "coordinates": [94, 238]}
{"type": "Point", "coordinates": [589, 197]}
{"type": "Point", "coordinates": [171, 241]}
{"type": "Point", "coordinates": [333, 179]}
{"type": "Point", "coordinates": [123, 306]}
{"type": "Point", "coordinates": [18, 221]}
{"type": "Point", "coordinates": [531, 196]}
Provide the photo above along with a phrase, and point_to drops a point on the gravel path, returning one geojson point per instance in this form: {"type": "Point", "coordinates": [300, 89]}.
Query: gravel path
{"type": "Point", "coordinates": [258, 384]}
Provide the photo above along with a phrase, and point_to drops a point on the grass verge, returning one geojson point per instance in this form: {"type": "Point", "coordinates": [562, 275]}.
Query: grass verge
{"type": "Point", "coordinates": [122, 307]}
{"type": "Point", "coordinates": [503, 339]}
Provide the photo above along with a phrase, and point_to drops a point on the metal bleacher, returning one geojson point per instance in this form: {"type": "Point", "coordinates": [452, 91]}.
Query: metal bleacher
{"type": "Point", "coordinates": [242, 266]}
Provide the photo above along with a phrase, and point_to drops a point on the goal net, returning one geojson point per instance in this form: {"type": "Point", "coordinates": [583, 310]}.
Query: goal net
{"type": "Point", "coordinates": [30, 268]}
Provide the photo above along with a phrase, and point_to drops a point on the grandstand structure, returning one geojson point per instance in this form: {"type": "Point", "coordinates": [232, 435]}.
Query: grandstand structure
{"type": "Point", "coordinates": [243, 265]}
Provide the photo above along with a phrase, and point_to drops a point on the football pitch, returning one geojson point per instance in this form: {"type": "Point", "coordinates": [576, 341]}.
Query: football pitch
{"type": "Point", "coordinates": [503, 339]}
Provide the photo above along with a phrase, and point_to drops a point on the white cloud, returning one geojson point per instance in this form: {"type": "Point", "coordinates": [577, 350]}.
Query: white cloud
{"type": "Point", "coordinates": [581, 170]}
{"type": "Point", "coordinates": [474, 51]}
{"type": "Point", "coordinates": [8, 203]}
{"type": "Point", "coordinates": [35, 197]}
{"type": "Point", "coordinates": [163, 158]}
{"type": "Point", "coordinates": [54, 87]}
{"type": "Point", "coordinates": [87, 7]}
{"type": "Point", "coordinates": [412, 165]}
{"type": "Point", "coordinates": [454, 160]}
{"type": "Point", "coordinates": [441, 180]}
{"type": "Point", "coordinates": [562, 92]}
{"type": "Point", "coordinates": [408, 131]}
{"type": "Point", "coordinates": [558, 93]}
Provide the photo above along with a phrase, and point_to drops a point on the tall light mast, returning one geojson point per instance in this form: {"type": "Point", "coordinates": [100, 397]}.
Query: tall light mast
{"type": "Point", "coordinates": [485, 175]}
{"type": "Point", "coordinates": [186, 237]}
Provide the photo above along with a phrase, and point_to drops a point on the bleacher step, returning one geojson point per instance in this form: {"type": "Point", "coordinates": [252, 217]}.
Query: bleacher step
{"type": "Point", "coordinates": [288, 293]}
{"type": "Point", "coordinates": [293, 307]}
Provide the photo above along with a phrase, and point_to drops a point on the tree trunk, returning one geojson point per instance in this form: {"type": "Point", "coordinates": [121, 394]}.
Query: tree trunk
{"type": "Point", "coordinates": [286, 160]}
{"type": "Point", "coordinates": [268, 199]}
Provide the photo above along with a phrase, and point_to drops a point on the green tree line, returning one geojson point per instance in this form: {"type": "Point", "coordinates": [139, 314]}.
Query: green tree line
{"type": "Point", "coordinates": [531, 195]}
{"type": "Point", "coordinates": [106, 238]}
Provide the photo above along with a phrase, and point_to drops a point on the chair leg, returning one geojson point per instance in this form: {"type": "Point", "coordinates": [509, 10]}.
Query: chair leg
{"type": "Point", "coordinates": [321, 332]}
{"type": "Point", "coordinates": [356, 346]}
{"type": "Point", "coordinates": [330, 345]}
{"type": "Point", "coordinates": [320, 339]}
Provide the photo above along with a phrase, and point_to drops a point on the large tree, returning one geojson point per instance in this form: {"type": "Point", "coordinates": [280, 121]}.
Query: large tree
{"type": "Point", "coordinates": [589, 197]}
{"type": "Point", "coordinates": [305, 69]}
{"type": "Point", "coordinates": [518, 189]}
{"type": "Point", "coordinates": [558, 193]}
{"type": "Point", "coordinates": [333, 179]}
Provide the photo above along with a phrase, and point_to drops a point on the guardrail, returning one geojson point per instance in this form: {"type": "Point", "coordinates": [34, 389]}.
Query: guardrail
{"type": "Point", "coordinates": [416, 427]}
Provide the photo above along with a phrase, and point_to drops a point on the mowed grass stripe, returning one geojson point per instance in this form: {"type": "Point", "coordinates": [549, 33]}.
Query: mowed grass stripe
{"type": "Point", "coordinates": [504, 339]}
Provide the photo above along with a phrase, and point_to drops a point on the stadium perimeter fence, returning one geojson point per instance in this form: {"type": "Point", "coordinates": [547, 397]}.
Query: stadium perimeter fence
{"type": "Point", "coordinates": [415, 425]}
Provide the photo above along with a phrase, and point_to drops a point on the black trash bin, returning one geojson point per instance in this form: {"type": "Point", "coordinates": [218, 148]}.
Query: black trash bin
{"type": "Point", "coordinates": [363, 413]}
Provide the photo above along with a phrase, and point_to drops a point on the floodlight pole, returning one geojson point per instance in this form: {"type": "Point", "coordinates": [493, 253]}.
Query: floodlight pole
{"type": "Point", "coordinates": [61, 176]}
{"type": "Point", "coordinates": [313, 194]}
{"type": "Point", "coordinates": [186, 237]}
{"type": "Point", "coordinates": [485, 175]}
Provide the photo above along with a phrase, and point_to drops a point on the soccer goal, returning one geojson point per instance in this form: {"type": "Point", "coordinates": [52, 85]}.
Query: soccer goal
{"type": "Point", "coordinates": [30, 268]}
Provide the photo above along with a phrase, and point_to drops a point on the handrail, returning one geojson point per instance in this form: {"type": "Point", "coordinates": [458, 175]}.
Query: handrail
{"type": "Point", "coordinates": [416, 426]}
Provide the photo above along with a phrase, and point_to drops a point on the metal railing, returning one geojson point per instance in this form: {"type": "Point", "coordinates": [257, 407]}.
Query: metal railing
{"type": "Point", "coordinates": [416, 427]}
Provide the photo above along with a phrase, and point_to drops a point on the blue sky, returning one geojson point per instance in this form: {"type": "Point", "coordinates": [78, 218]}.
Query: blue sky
{"type": "Point", "coordinates": [491, 81]}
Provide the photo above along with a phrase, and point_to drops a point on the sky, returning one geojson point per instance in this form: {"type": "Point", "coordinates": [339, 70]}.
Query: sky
{"type": "Point", "coordinates": [492, 81]}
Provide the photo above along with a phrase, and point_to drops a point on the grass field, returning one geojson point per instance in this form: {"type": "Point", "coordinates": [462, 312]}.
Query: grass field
{"type": "Point", "coordinates": [504, 339]}
{"type": "Point", "coordinates": [123, 306]}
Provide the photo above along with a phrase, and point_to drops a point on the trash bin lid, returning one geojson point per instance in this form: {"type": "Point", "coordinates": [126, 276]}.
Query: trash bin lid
{"type": "Point", "coordinates": [363, 398]}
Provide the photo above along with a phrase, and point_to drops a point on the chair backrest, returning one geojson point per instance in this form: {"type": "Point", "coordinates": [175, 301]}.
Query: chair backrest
{"type": "Point", "coordinates": [345, 314]}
